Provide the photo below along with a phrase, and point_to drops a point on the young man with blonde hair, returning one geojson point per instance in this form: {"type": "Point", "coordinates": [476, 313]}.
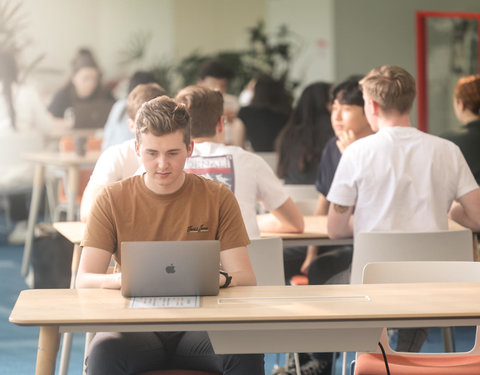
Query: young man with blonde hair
{"type": "Point", "coordinates": [247, 175]}
{"type": "Point", "coordinates": [400, 179]}
{"type": "Point", "coordinates": [162, 204]}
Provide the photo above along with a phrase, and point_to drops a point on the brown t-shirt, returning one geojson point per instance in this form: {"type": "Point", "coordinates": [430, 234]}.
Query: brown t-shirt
{"type": "Point", "coordinates": [200, 210]}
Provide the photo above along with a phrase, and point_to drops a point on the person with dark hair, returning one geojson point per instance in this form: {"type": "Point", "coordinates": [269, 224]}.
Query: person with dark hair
{"type": "Point", "coordinates": [24, 121]}
{"type": "Point", "coordinates": [300, 144]}
{"type": "Point", "coordinates": [266, 114]}
{"type": "Point", "coordinates": [159, 205]}
{"type": "Point", "coordinates": [119, 161]}
{"type": "Point", "coordinates": [216, 75]}
{"type": "Point", "coordinates": [84, 86]}
{"type": "Point", "coordinates": [116, 129]}
{"type": "Point", "coordinates": [466, 103]}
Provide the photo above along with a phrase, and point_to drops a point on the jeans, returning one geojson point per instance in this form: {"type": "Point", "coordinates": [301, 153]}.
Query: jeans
{"type": "Point", "coordinates": [134, 352]}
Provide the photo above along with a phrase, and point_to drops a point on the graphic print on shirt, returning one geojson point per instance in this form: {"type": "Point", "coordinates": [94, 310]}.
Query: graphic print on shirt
{"type": "Point", "coordinates": [217, 168]}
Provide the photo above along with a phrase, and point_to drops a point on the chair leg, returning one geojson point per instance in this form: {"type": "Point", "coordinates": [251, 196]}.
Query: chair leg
{"type": "Point", "coordinates": [448, 335]}
{"type": "Point", "coordinates": [297, 363]}
{"type": "Point", "coordinates": [344, 363]}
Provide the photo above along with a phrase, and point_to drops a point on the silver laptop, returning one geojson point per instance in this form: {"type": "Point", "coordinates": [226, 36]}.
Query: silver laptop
{"type": "Point", "coordinates": [170, 268]}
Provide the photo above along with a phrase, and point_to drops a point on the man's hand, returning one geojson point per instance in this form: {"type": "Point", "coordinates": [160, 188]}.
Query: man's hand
{"type": "Point", "coordinates": [345, 138]}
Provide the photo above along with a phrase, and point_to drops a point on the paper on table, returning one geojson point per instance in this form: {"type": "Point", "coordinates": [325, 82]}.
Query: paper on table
{"type": "Point", "coordinates": [164, 302]}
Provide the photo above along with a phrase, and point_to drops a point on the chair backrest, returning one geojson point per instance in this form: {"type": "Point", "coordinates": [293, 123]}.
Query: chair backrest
{"type": "Point", "coordinates": [448, 245]}
{"type": "Point", "coordinates": [422, 271]}
{"type": "Point", "coordinates": [271, 158]}
{"type": "Point", "coordinates": [266, 256]}
{"type": "Point", "coordinates": [304, 196]}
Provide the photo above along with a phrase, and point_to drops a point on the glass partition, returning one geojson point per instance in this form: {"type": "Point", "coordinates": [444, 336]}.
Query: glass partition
{"type": "Point", "coordinates": [447, 49]}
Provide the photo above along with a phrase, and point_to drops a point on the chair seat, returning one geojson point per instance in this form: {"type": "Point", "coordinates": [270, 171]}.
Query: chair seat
{"type": "Point", "coordinates": [373, 364]}
{"type": "Point", "coordinates": [179, 372]}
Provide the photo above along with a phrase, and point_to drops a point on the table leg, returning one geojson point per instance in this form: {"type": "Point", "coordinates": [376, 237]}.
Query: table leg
{"type": "Point", "coordinates": [77, 252]}
{"type": "Point", "coordinates": [65, 354]}
{"type": "Point", "coordinates": [68, 336]}
{"type": "Point", "coordinates": [72, 192]}
{"type": "Point", "coordinates": [48, 343]}
{"type": "Point", "coordinates": [38, 181]}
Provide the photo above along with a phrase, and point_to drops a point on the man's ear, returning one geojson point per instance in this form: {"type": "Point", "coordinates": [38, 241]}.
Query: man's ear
{"type": "Point", "coordinates": [137, 148]}
{"type": "Point", "coordinates": [220, 128]}
{"type": "Point", "coordinates": [190, 149]}
{"type": "Point", "coordinates": [375, 107]}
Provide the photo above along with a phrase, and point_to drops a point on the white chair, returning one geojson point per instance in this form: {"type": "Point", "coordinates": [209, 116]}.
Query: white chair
{"type": "Point", "coordinates": [448, 245]}
{"type": "Point", "coordinates": [271, 158]}
{"type": "Point", "coordinates": [304, 196]}
{"type": "Point", "coordinates": [420, 363]}
{"type": "Point", "coordinates": [266, 257]}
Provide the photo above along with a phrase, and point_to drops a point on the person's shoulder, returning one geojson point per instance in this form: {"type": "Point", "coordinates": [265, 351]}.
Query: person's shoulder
{"type": "Point", "coordinates": [127, 184]}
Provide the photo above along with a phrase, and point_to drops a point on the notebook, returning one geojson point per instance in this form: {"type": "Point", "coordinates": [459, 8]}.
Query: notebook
{"type": "Point", "coordinates": [170, 268]}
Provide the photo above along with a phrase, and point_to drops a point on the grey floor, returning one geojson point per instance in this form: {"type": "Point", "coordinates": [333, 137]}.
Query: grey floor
{"type": "Point", "coordinates": [18, 345]}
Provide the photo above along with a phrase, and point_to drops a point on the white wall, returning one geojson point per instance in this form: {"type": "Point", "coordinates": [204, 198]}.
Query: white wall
{"type": "Point", "coordinates": [369, 33]}
{"type": "Point", "coordinates": [178, 27]}
{"type": "Point", "coordinates": [312, 23]}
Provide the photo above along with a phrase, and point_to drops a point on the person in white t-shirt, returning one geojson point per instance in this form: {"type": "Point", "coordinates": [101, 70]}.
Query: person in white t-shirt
{"type": "Point", "coordinates": [399, 179]}
{"type": "Point", "coordinates": [119, 161]}
{"type": "Point", "coordinates": [246, 174]}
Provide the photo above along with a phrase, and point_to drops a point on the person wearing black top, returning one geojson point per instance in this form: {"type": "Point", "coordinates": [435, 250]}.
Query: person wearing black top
{"type": "Point", "coordinates": [466, 102]}
{"type": "Point", "coordinates": [266, 114]}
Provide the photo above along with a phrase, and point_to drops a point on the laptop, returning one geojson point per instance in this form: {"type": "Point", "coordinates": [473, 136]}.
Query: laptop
{"type": "Point", "coordinates": [170, 268]}
{"type": "Point", "coordinates": [91, 114]}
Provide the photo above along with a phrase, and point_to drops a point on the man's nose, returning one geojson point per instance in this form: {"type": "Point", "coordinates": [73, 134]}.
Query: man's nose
{"type": "Point", "coordinates": [161, 161]}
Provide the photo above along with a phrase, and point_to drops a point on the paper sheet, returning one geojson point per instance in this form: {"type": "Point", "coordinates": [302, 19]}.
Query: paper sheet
{"type": "Point", "coordinates": [164, 302]}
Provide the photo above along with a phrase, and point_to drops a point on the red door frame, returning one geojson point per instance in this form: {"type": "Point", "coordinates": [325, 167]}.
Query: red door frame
{"type": "Point", "coordinates": [421, 36]}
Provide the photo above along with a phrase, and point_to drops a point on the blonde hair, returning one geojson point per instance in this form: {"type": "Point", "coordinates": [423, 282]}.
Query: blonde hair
{"type": "Point", "coordinates": [391, 87]}
{"type": "Point", "coordinates": [467, 91]}
{"type": "Point", "coordinates": [161, 116]}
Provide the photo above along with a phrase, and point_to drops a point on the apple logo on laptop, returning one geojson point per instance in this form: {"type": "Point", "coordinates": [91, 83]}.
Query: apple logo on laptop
{"type": "Point", "coordinates": [170, 268]}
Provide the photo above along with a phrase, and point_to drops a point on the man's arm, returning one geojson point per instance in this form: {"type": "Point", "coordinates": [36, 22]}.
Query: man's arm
{"type": "Point", "coordinates": [340, 221]}
{"type": "Point", "coordinates": [286, 218]}
{"type": "Point", "coordinates": [92, 271]}
{"type": "Point", "coordinates": [322, 205]}
{"type": "Point", "coordinates": [88, 197]}
{"type": "Point", "coordinates": [466, 211]}
{"type": "Point", "coordinates": [236, 263]}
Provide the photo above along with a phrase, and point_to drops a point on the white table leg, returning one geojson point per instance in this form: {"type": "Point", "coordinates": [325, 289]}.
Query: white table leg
{"type": "Point", "coordinates": [38, 181]}
{"type": "Point", "coordinates": [72, 192]}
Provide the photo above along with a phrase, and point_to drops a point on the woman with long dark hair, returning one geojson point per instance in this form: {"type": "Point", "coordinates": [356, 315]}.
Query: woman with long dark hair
{"type": "Point", "coordinates": [299, 145]}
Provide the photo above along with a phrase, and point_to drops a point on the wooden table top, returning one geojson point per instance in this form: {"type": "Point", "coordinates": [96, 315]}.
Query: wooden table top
{"type": "Point", "coordinates": [315, 227]}
{"type": "Point", "coordinates": [71, 230]}
{"type": "Point", "coordinates": [257, 304]}
{"type": "Point", "coordinates": [64, 159]}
